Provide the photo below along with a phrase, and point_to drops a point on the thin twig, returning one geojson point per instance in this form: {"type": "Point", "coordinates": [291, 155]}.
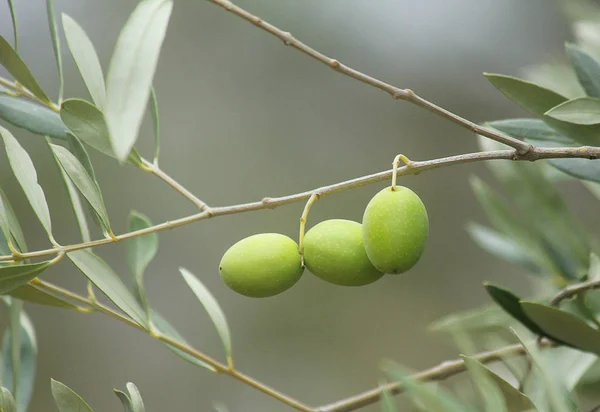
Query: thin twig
{"type": "Point", "coordinates": [537, 153]}
{"type": "Point", "coordinates": [574, 290]}
{"type": "Point", "coordinates": [395, 92]}
{"type": "Point", "coordinates": [218, 366]}
{"type": "Point", "coordinates": [155, 170]}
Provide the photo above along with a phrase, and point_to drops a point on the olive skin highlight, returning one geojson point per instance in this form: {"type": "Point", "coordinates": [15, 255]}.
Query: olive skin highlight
{"type": "Point", "coordinates": [262, 265]}
{"type": "Point", "coordinates": [395, 229]}
{"type": "Point", "coordinates": [334, 252]}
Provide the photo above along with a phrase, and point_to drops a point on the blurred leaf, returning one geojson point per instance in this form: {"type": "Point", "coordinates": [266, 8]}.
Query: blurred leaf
{"type": "Point", "coordinates": [583, 110]}
{"type": "Point", "coordinates": [142, 250]}
{"type": "Point", "coordinates": [55, 46]}
{"type": "Point", "coordinates": [67, 400]}
{"type": "Point", "coordinates": [7, 402]}
{"type": "Point", "coordinates": [31, 293]}
{"type": "Point", "coordinates": [165, 327]}
{"type": "Point", "coordinates": [388, 403]}
{"type": "Point", "coordinates": [515, 400]}
{"type": "Point", "coordinates": [557, 394]}
{"type": "Point", "coordinates": [439, 401]}
{"type": "Point", "coordinates": [86, 122]}
{"type": "Point", "coordinates": [587, 69]}
{"type": "Point", "coordinates": [83, 181]}
{"type": "Point", "coordinates": [580, 168]}
{"type": "Point", "coordinates": [474, 320]}
{"type": "Point", "coordinates": [155, 121]}
{"type": "Point", "coordinates": [502, 247]}
{"type": "Point", "coordinates": [86, 59]}
{"type": "Point", "coordinates": [564, 326]}
{"type": "Point", "coordinates": [570, 365]}
{"type": "Point", "coordinates": [8, 218]}
{"type": "Point", "coordinates": [131, 70]}
{"type": "Point", "coordinates": [11, 350]}
{"type": "Point", "coordinates": [13, 17]}
{"type": "Point", "coordinates": [24, 171]}
{"type": "Point", "coordinates": [137, 403]}
{"type": "Point", "coordinates": [19, 70]}
{"type": "Point", "coordinates": [102, 276]}
{"type": "Point", "coordinates": [13, 276]}
{"type": "Point", "coordinates": [537, 101]}
{"type": "Point", "coordinates": [125, 400]}
{"type": "Point", "coordinates": [27, 362]}
{"type": "Point", "coordinates": [523, 128]}
{"type": "Point", "coordinates": [32, 116]}
{"type": "Point", "coordinates": [212, 307]}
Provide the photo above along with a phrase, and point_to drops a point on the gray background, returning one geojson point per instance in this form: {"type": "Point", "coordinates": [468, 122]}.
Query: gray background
{"type": "Point", "coordinates": [244, 117]}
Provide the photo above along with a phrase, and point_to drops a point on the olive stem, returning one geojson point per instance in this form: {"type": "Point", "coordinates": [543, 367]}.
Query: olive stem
{"type": "Point", "coordinates": [303, 219]}
{"type": "Point", "coordinates": [396, 164]}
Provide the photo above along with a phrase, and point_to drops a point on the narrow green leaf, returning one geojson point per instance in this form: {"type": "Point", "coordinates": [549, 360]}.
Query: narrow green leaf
{"type": "Point", "coordinates": [165, 327]}
{"type": "Point", "coordinates": [515, 400]}
{"type": "Point", "coordinates": [156, 122]}
{"type": "Point", "coordinates": [32, 116]}
{"type": "Point", "coordinates": [531, 97]}
{"type": "Point", "coordinates": [86, 59]}
{"type": "Point", "coordinates": [493, 397]}
{"type": "Point", "coordinates": [32, 293]}
{"type": "Point", "coordinates": [587, 69]}
{"type": "Point", "coordinates": [137, 403]}
{"type": "Point", "coordinates": [580, 168]}
{"type": "Point", "coordinates": [83, 181]}
{"type": "Point", "coordinates": [432, 400]}
{"type": "Point", "coordinates": [9, 222]}
{"type": "Point", "coordinates": [13, 17]}
{"type": "Point", "coordinates": [7, 402]}
{"type": "Point", "coordinates": [142, 250]}
{"type": "Point", "coordinates": [19, 70]}
{"type": "Point", "coordinates": [212, 307]}
{"type": "Point", "coordinates": [583, 110]}
{"type": "Point", "coordinates": [125, 400]}
{"type": "Point", "coordinates": [55, 46]}
{"type": "Point", "coordinates": [131, 71]}
{"type": "Point", "coordinates": [555, 392]}
{"type": "Point", "coordinates": [538, 100]}
{"type": "Point", "coordinates": [77, 205]}
{"type": "Point", "coordinates": [13, 276]}
{"type": "Point", "coordinates": [67, 400]}
{"type": "Point", "coordinates": [24, 171]}
{"type": "Point", "coordinates": [86, 122]}
{"type": "Point", "coordinates": [77, 148]}
{"type": "Point", "coordinates": [102, 276]}
{"type": "Point", "coordinates": [564, 326]}
{"type": "Point", "coordinates": [502, 247]}
{"type": "Point", "coordinates": [27, 362]}
{"type": "Point", "coordinates": [511, 304]}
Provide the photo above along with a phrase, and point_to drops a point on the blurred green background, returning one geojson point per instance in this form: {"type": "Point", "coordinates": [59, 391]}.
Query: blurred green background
{"type": "Point", "coordinates": [244, 117]}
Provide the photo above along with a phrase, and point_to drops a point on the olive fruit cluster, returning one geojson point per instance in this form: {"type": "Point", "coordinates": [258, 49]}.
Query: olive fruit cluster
{"type": "Point", "coordinates": [391, 239]}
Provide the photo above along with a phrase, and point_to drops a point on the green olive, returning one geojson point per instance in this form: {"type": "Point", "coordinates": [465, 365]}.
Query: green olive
{"type": "Point", "coordinates": [334, 251]}
{"type": "Point", "coordinates": [395, 229]}
{"type": "Point", "coordinates": [262, 265]}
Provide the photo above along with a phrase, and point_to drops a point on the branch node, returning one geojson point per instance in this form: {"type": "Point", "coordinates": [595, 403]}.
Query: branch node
{"type": "Point", "coordinates": [334, 64]}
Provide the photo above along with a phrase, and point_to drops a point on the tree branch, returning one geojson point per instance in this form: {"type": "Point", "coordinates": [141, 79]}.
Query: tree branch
{"type": "Point", "coordinates": [396, 93]}
{"type": "Point", "coordinates": [573, 290]}
{"type": "Point", "coordinates": [536, 153]}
